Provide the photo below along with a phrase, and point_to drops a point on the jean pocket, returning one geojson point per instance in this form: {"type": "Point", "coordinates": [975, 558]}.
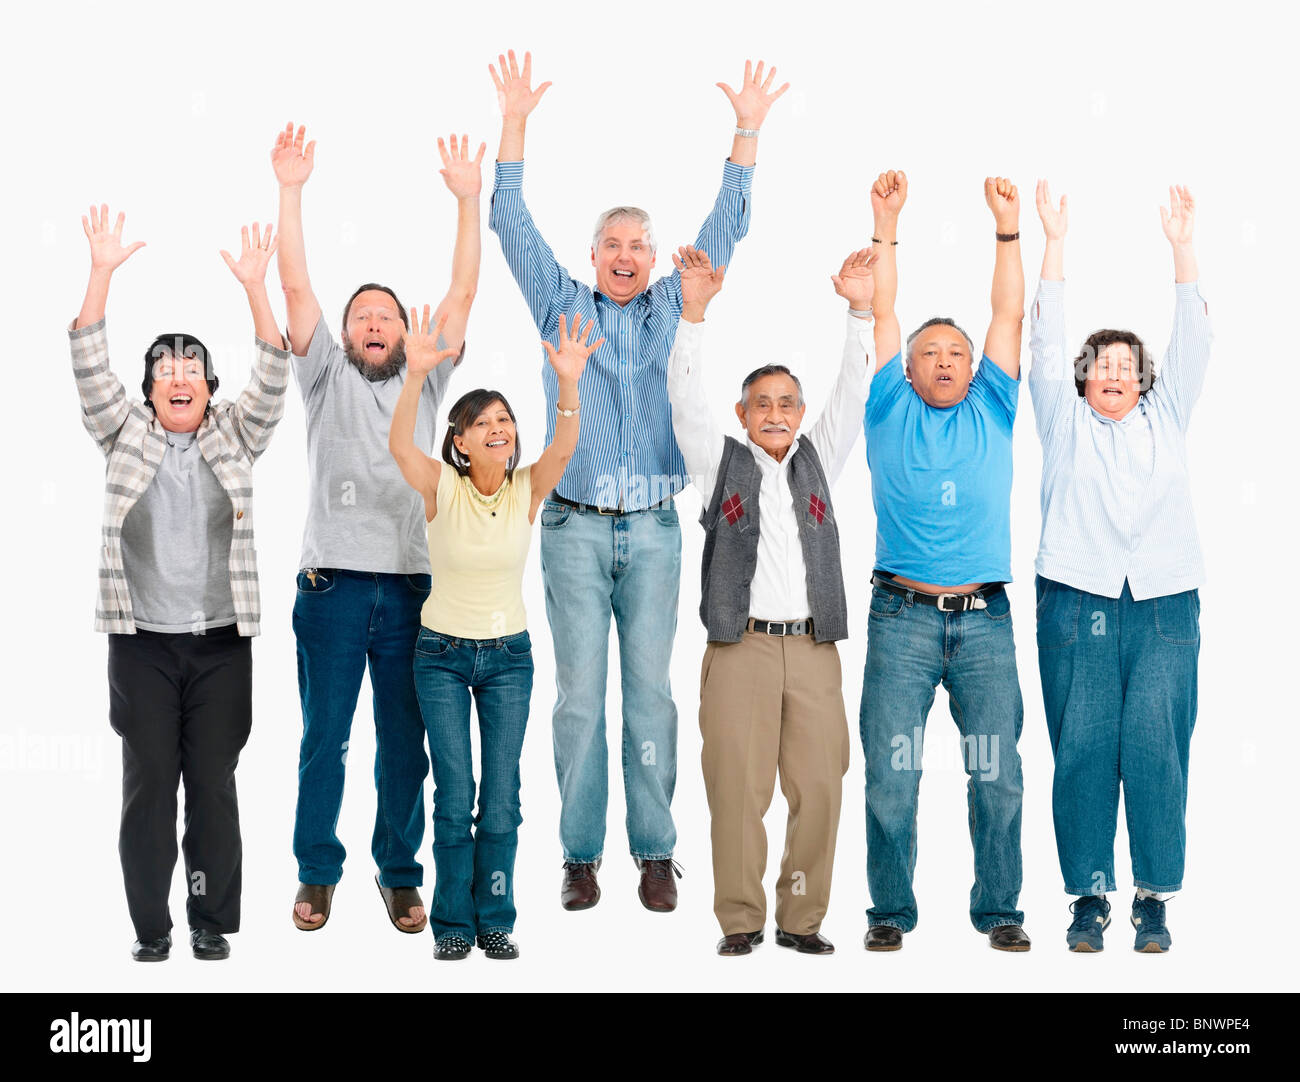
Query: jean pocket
{"type": "Point", "coordinates": [555, 515]}
{"type": "Point", "coordinates": [997, 606]}
{"type": "Point", "coordinates": [666, 516]}
{"type": "Point", "coordinates": [431, 644]}
{"type": "Point", "coordinates": [1057, 613]}
{"type": "Point", "coordinates": [518, 645]}
{"type": "Point", "coordinates": [884, 604]}
{"type": "Point", "coordinates": [419, 584]}
{"type": "Point", "coordinates": [316, 580]}
{"type": "Point", "coordinates": [1178, 618]}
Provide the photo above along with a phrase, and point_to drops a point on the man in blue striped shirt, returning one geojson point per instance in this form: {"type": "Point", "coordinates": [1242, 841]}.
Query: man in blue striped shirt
{"type": "Point", "coordinates": [610, 536]}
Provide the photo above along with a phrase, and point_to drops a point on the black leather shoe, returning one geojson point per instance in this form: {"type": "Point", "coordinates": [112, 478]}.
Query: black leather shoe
{"type": "Point", "coordinates": [451, 949]}
{"type": "Point", "coordinates": [497, 945]}
{"type": "Point", "coordinates": [579, 890]}
{"type": "Point", "coordinates": [1008, 937]}
{"type": "Point", "coordinates": [883, 937]}
{"type": "Point", "coordinates": [152, 950]}
{"type": "Point", "coordinates": [805, 944]}
{"type": "Point", "coordinates": [208, 946]}
{"type": "Point", "coordinates": [739, 943]}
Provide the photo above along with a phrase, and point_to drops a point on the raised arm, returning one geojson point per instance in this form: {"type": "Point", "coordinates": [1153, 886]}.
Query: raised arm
{"type": "Point", "coordinates": [837, 429]}
{"type": "Point", "coordinates": [1051, 372]}
{"type": "Point", "coordinates": [1002, 344]}
{"type": "Point", "coordinates": [1180, 377]}
{"type": "Point", "coordinates": [545, 284]}
{"type": "Point", "coordinates": [568, 361]}
{"type": "Point", "coordinates": [464, 178]}
{"type": "Point", "coordinates": [422, 357]}
{"type": "Point", "coordinates": [293, 163]}
{"type": "Point", "coordinates": [104, 405]}
{"type": "Point", "coordinates": [698, 435]}
{"type": "Point", "coordinates": [260, 405]}
{"type": "Point", "coordinates": [888, 194]}
{"type": "Point", "coordinates": [751, 103]}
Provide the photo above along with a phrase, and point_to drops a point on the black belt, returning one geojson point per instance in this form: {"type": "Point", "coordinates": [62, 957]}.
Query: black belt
{"type": "Point", "coordinates": [667, 501]}
{"type": "Point", "coordinates": [976, 599]}
{"type": "Point", "coordinates": [781, 627]}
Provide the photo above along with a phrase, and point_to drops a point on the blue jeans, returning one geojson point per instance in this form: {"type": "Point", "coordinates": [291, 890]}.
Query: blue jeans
{"type": "Point", "coordinates": [629, 565]}
{"type": "Point", "coordinates": [1119, 689]}
{"type": "Point", "coordinates": [341, 621]}
{"type": "Point", "coordinates": [474, 888]}
{"type": "Point", "coordinates": [911, 648]}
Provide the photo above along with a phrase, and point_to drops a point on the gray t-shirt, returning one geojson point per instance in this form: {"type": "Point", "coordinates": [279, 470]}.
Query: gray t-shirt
{"type": "Point", "coordinates": [361, 513]}
{"type": "Point", "coordinates": [176, 545]}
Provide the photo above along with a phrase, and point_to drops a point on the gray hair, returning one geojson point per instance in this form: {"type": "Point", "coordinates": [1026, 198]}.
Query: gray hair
{"type": "Point", "coordinates": [768, 370]}
{"type": "Point", "coordinates": [938, 321]}
{"type": "Point", "coordinates": [625, 214]}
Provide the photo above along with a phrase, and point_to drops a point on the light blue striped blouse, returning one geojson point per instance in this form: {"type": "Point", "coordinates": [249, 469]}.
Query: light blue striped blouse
{"type": "Point", "coordinates": [1116, 498]}
{"type": "Point", "coordinates": [627, 455]}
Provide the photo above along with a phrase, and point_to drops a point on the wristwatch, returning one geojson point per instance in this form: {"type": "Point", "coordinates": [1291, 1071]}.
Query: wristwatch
{"type": "Point", "coordinates": [568, 413]}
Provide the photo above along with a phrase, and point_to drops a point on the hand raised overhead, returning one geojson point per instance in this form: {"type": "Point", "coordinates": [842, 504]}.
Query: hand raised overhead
{"type": "Point", "coordinates": [1004, 201]}
{"type": "Point", "coordinates": [462, 173]}
{"type": "Point", "coordinates": [755, 96]}
{"type": "Point", "coordinates": [700, 280]}
{"type": "Point", "coordinates": [421, 344]}
{"type": "Point", "coordinates": [290, 160]}
{"type": "Point", "coordinates": [889, 193]}
{"type": "Point", "coordinates": [571, 358]}
{"type": "Point", "coordinates": [107, 252]}
{"type": "Point", "coordinates": [1179, 219]}
{"type": "Point", "coordinates": [515, 93]}
{"type": "Point", "coordinates": [1056, 220]}
{"type": "Point", "coordinates": [254, 256]}
{"type": "Point", "coordinates": [855, 282]}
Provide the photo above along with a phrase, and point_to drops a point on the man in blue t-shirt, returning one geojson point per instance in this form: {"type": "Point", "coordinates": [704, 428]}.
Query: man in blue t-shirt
{"type": "Point", "coordinates": [939, 450]}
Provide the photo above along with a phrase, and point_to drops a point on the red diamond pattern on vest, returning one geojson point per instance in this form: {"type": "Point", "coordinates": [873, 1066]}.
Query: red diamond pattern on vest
{"type": "Point", "coordinates": [732, 509]}
{"type": "Point", "coordinates": [817, 507]}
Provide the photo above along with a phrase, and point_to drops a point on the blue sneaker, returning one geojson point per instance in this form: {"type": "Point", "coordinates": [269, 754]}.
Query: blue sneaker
{"type": "Point", "coordinates": [1149, 920]}
{"type": "Point", "coordinates": [1091, 918]}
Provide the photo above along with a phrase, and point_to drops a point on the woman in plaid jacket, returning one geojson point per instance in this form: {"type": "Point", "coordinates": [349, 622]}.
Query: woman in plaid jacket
{"type": "Point", "coordinates": [178, 590]}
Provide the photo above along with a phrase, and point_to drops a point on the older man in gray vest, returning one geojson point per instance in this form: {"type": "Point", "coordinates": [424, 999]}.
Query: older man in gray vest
{"type": "Point", "coordinates": [773, 602]}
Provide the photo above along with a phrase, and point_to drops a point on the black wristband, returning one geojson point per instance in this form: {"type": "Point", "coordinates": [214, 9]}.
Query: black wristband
{"type": "Point", "coordinates": [1007, 236]}
{"type": "Point", "coordinates": [877, 240]}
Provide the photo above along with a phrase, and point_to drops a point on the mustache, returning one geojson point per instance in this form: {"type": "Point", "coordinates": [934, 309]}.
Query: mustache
{"type": "Point", "coordinates": [377, 373]}
{"type": "Point", "coordinates": [775, 428]}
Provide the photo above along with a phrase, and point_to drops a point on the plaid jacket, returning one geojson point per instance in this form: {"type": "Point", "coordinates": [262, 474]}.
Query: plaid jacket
{"type": "Point", "coordinates": [230, 438]}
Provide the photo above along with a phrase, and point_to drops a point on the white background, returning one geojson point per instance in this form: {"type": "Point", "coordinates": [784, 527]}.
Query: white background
{"type": "Point", "coordinates": [169, 112]}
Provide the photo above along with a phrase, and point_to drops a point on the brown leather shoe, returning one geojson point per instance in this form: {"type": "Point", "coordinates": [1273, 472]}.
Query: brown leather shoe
{"type": "Point", "coordinates": [805, 944]}
{"type": "Point", "coordinates": [1008, 937]}
{"type": "Point", "coordinates": [883, 937]}
{"type": "Point", "coordinates": [658, 891]}
{"type": "Point", "coordinates": [739, 943]}
{"type": "Point", "coordinates": [579, 889]}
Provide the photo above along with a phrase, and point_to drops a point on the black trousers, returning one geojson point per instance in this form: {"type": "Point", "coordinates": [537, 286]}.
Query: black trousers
{"type": "Point", "coordinates": [182, 705]}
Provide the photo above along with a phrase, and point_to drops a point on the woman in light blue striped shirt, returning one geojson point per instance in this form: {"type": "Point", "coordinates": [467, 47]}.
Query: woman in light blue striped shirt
{"type": "Point", "coordinates": [1118, 569]}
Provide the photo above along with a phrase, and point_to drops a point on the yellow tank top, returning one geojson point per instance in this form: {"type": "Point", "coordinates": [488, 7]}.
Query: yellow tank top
{"type": "Point", "coordinates": [477, 549]}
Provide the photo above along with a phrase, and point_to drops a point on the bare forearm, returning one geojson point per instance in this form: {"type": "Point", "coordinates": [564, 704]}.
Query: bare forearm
{"type": "Point", "coordinates": [401, 433]}
{"type": "Point", "coordinates": [744, 148]}
{"type": "Point", "coordinates": [566, 428]}
{"type": "Point", "coordinates": [512, 141]}
{"type": "Point", "coordinates": [1008, 282]}
{"type": "Point", "coordinates": [96, 299]}
{"type": "Point", "coordinates": [291, 258]}
{"type": "Point", "coordinates": [468, 252]}
{"type": "Point", "coordinates": [1054, 260]}
{"type": "Point", "coordinates": [884, 236]}
{"type": "Point", "coordinates": [1185, 269]}
{"type": "Point", "coordinates": [264, 325]}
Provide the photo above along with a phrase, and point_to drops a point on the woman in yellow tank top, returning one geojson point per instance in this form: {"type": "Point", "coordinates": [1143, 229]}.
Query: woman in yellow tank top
{"type": "Point", "coordinates": [473, 636]}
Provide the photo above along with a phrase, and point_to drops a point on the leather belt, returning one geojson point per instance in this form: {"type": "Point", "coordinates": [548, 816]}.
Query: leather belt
{"type": "Point", "coordinates": [781, 627]}
{"type": "Point", "coordinates": [613, 511]}
{"type": "Point", "coordinates": [976, 599]}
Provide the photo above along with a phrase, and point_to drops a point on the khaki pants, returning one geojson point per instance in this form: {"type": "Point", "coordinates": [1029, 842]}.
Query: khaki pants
{"type": "Point", "coordinates": [770, 702]}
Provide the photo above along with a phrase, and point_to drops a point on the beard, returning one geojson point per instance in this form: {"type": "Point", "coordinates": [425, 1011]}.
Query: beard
{"type": "Point", "coordinates": [377, 373]}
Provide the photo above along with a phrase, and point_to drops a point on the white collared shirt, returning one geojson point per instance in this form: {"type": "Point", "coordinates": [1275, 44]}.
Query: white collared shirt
{"type": "Point", "coordinates": [779, 590]}
{"type": "Point", "coordinates": [1116, 497]}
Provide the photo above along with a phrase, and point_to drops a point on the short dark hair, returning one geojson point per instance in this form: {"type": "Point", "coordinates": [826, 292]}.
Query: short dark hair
{"type": "Point", "coordinates": [768, 370]}
{"type": "Point", "coordinates": [366, 288]}
{"type": "Point", "coordinates": [182, 345]}
{"type": "Point", "coordinates": [1098, 341]}
{"type": "Point", "coordinates": [462, 415]}
{"type": "Point", "coordinates": [937, 321]}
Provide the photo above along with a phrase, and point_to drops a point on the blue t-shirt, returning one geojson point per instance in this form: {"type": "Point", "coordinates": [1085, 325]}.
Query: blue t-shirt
{"type": "Point", "coordinates": [941, 478]}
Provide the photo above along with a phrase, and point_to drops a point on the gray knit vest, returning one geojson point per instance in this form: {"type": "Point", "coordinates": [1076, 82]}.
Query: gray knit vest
{"type": "Point", "coordinates": [731, 544]}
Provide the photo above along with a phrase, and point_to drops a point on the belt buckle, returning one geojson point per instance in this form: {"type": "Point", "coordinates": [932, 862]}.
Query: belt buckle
{"type": "Point", "coordinates": [966, 602]}
{"type": "Point", "coordinates": [772, 623]}
{"type": "Point", "coordinates": [608, 511]}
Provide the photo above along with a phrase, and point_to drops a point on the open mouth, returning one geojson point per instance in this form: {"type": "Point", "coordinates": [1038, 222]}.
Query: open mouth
{"type": "Point", "coordinates": [1112, 391]}
{"type": "Point", "coordinates": [943, 379]}
{"type": "Point", "coordinates": [498, 443]}
{"type": "Point", "coordinates": [376, 346]}
{"type": "Point", "coordinates": [180, 401]}
{"type": "Point", "coordinates": [776, 430]}
{"type": "Point", "coordinates": [624, 274]}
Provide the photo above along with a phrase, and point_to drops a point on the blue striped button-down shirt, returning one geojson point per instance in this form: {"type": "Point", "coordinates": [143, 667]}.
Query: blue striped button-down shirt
{"type": "Point", "coordinates": [627, 455]}
{"type": "Point", "coordinates": [1116, 498]}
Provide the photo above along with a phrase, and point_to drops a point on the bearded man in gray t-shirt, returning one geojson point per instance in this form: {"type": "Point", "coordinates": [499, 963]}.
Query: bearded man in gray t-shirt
{"type": "Point", "coordinates": [364, 570]}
